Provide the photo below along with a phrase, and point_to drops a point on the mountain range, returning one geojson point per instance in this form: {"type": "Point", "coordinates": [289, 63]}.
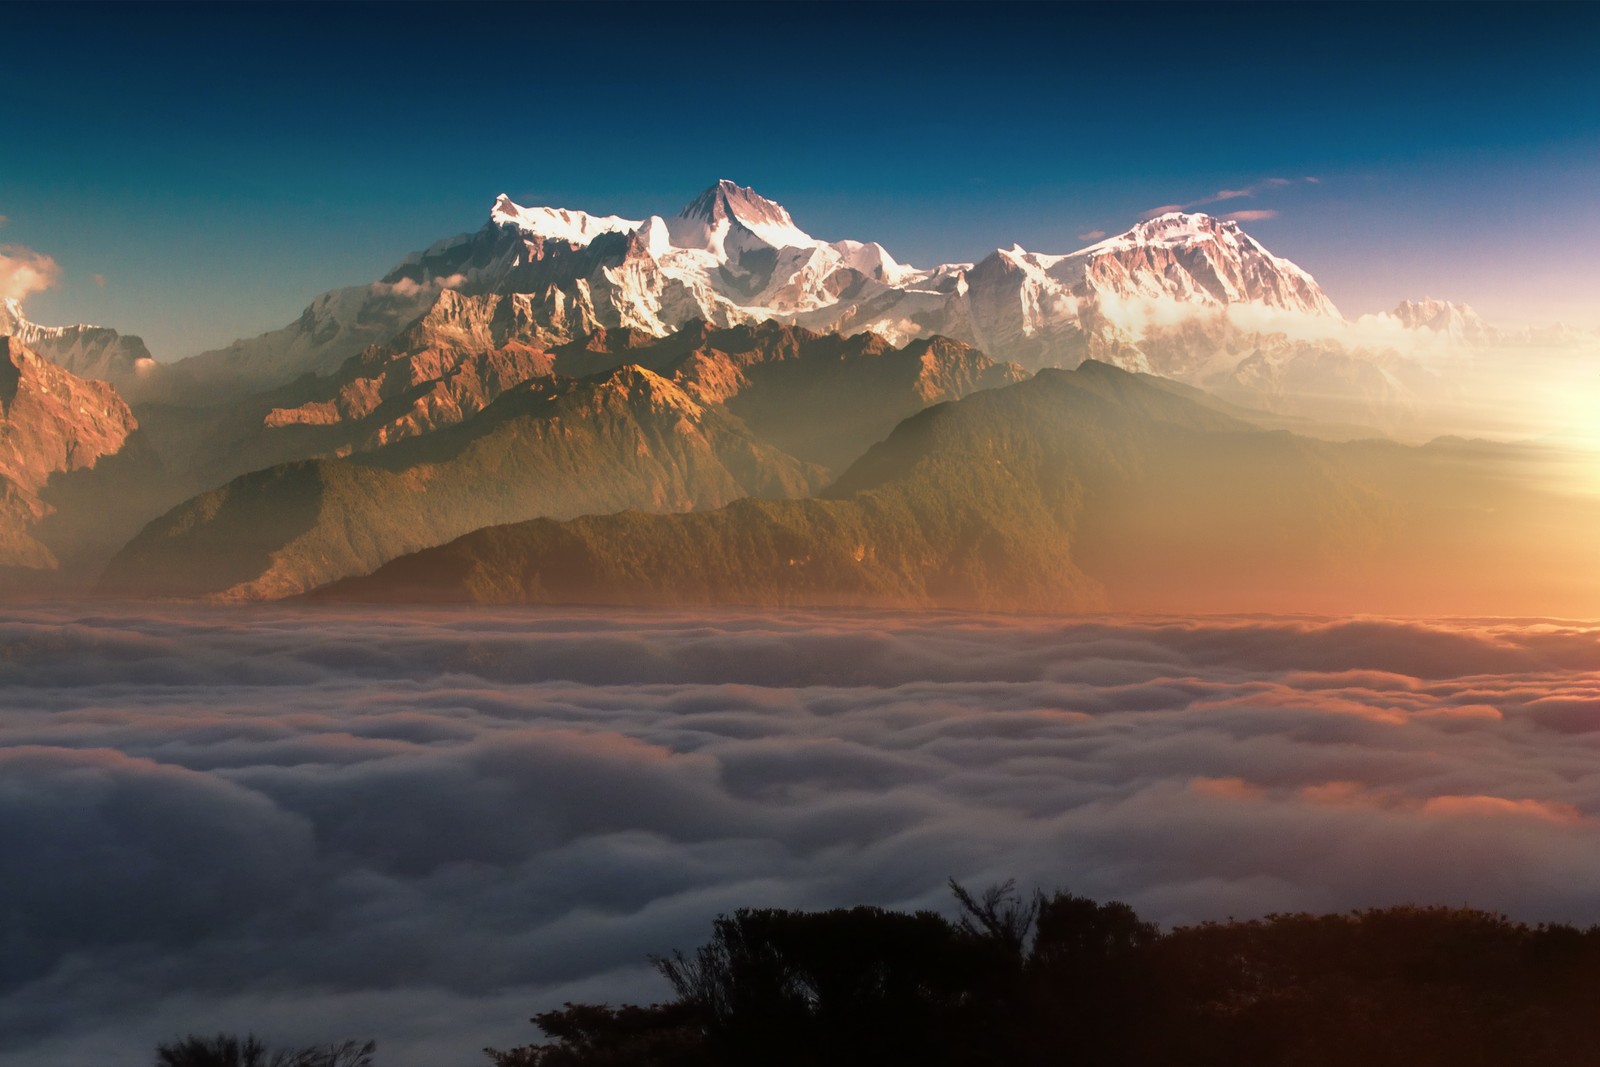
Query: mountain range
{"type": "Point", "coordinates": [554, 365]}
{"type": "Point", "coordinates": [731, 256]}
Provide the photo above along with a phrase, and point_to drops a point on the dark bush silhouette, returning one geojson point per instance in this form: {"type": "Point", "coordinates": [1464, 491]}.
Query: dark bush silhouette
{"type": "Point", "coordinates": [666, 1035]}
{"type": "Point", "coordinates": [1065, 981]}
{"type": "Point", "coordinates": [230, 1050]}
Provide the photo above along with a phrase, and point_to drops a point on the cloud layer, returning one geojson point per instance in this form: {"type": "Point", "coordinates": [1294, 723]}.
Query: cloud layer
{"type": "Point", "coordinates": [424, 827]}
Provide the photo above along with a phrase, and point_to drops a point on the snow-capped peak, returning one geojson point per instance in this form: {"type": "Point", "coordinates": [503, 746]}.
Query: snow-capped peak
{"type": "Point", "coordinates": [555, 223]}
{"type": "Point", "coordinates": [705, 221]}
{"type": "Point", "coordinates": [1172, 229]}
{"type": "Point", "coordinates": [873, 260]}
{"type": "Point", "coordinates": [83, 349]}
{"type": "Point", "coordinates": [1202, 260]}
{"type": "Point", "coordinates": [1433, 314]}
{"type": "Point", "coordinates": [1457, 321]}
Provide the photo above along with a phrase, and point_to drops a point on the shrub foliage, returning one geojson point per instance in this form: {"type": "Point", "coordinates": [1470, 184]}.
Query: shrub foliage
{"type": "Point", "coordinates": [1062, 980]}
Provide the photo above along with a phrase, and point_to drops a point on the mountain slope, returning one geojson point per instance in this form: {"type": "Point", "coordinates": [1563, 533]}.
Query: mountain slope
{"type": "Point", "coordinates": [822, 398]}
{"type": "Point", "coordinates": [552, 446]}
{"type": "Point", "coordinates": [793, 402]}
{"type": "Point", "coordinates": [1071, 491]}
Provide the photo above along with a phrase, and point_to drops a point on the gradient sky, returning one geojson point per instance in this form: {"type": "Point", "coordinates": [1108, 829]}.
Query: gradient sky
{"type": "Point", "coordinates": [219, 165]}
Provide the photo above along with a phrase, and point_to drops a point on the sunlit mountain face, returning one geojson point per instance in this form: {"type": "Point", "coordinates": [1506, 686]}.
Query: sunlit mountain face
{"type": "Point", "coordinates": [465, 525]}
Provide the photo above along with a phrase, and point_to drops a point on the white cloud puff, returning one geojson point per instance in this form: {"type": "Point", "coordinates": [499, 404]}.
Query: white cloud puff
{"type": "Point", "coordinates": [1255, 215]}
{"type": "Point", "coordinates": [24, 272]}
{"type": "Point", "coordinates": [424, 827]}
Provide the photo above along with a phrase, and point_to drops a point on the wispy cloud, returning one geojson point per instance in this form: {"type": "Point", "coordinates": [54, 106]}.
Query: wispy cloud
{"type": "Point", "coordinates": [1091, 235]}
{"type": "Point", "coordinates": [99, 279]}
{"type": "Point", "coordinates": [1250, 216]}
{"type": "Point", "coordinates": [1221, 195]}
{"type": "Point", "coordinates": [24, 271]}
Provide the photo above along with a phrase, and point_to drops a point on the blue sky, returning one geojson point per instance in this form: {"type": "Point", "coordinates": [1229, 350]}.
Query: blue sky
{"type": "Point", "coordinates": [219, 165]}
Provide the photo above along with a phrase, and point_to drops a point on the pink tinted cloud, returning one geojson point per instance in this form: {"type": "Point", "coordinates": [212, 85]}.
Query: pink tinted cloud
{"type": "Point", "coordinates": [1250, 216]}
{"type": "Point", "coordinates": [1091, 235]}
{"type": "Point", "coordinates": [1229, 788]}
{"type": "Point", "coordinates": [1483, 805]}
{"type": "Point", "coordinates": [1349, 794]}
{"type": "Point", "coordinates": [1221, 195]}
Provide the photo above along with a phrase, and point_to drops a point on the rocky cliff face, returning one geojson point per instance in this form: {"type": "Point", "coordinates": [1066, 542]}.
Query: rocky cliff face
{"type": "Point", "coordinates": [51, 422]}
{"type": "Point", "coordinates": [469, 349]}
{"type": "Point", "coordinates": [447, 366]}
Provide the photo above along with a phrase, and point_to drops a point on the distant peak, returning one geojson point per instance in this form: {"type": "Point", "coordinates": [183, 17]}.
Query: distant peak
{"type": "Point", "coordinates": [1203, 260]}
{"type": "Point", "coordinates": [1442, 316]}
{"type": "Point", "coordinates": [1430, 306]}
{"type": "Point", "coordinates": [730, 200]}
{"type": "Point", "coordinates": [708, 219]}
{"type": "Point", "coordinates": [1175, 228]}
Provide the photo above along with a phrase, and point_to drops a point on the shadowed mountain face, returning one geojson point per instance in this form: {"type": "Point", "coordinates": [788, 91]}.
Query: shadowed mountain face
{"type": "Point", "coordinates": [557, 447]}
{"type": "Point", "coordinates": [1075, 490]}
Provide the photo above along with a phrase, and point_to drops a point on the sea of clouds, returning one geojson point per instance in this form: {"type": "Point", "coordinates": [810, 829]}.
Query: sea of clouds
{"type": "Point", "coordinates": [423, 827]}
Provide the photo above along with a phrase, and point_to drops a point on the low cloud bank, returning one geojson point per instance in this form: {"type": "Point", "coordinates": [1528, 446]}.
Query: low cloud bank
{"type": "Point", "coordinates": [424, 827]}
